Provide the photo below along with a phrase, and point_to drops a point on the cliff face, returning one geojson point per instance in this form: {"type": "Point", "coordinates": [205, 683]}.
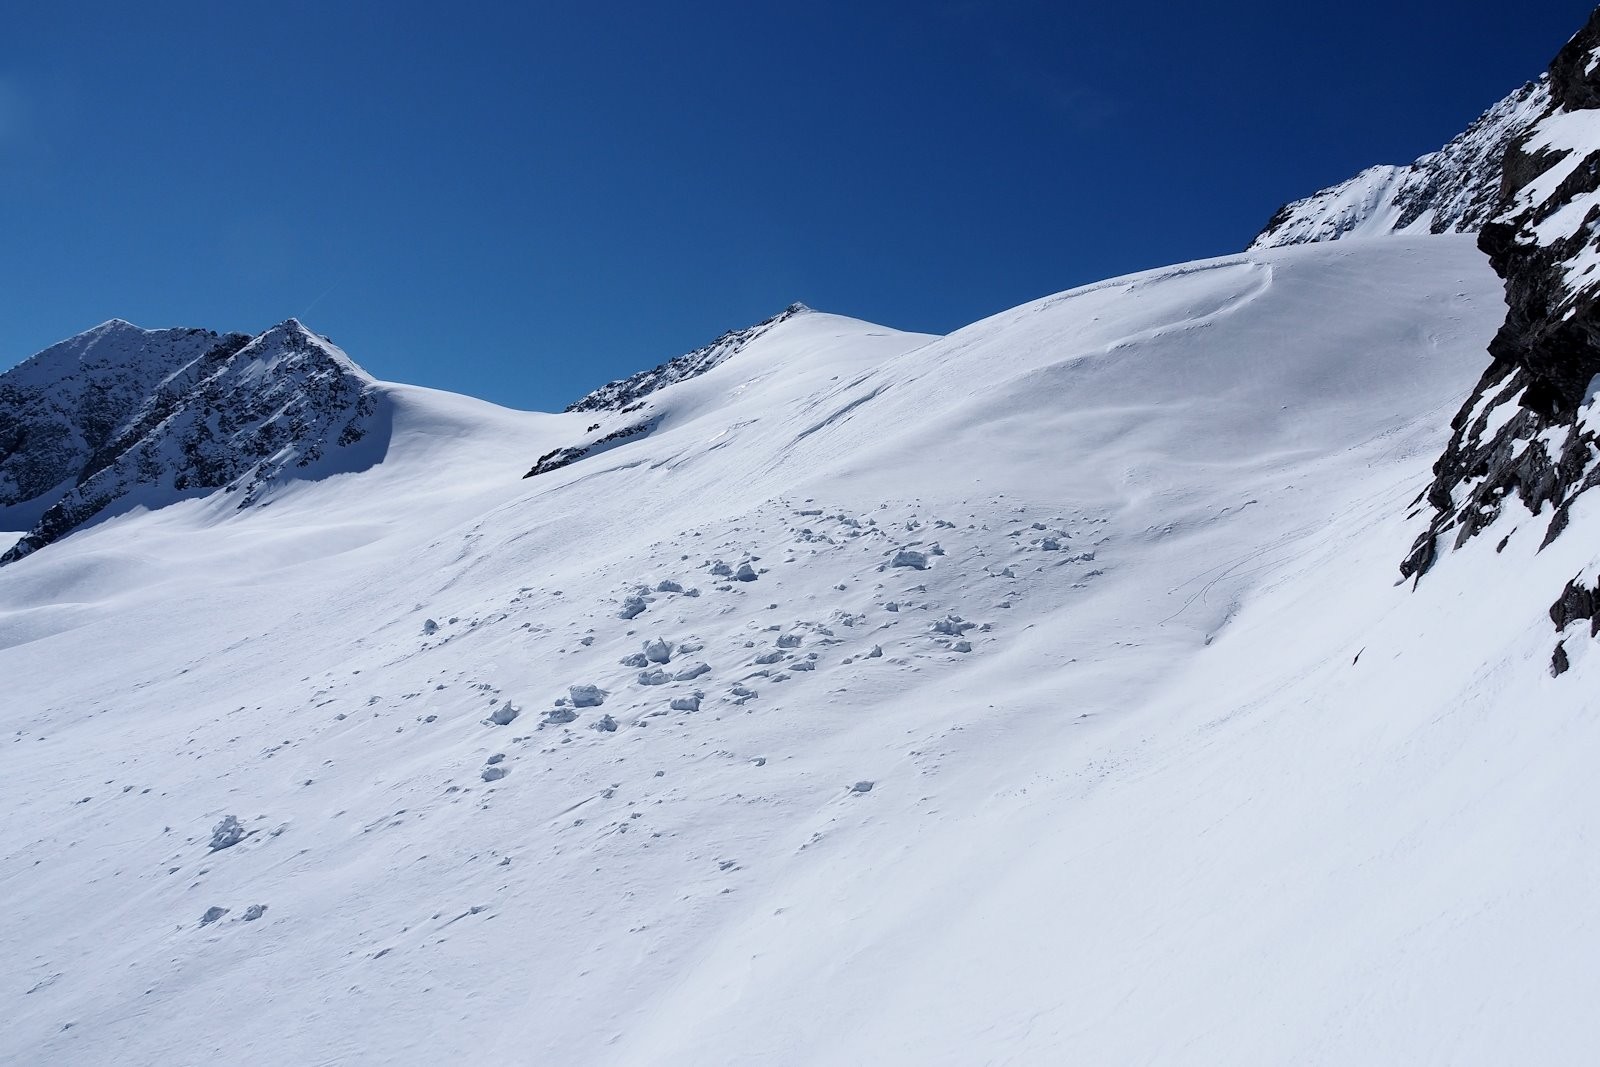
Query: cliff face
{"type": "Point", "coordinates": [1530, 432]}
{"type": "Point", "coordinates": [122, 416]}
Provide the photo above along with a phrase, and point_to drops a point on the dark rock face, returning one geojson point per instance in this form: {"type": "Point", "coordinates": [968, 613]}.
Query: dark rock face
{"type": "Point", "coordinates": [624, 393]}
{"type": "Point", "coordinates": [142, 417]}
{"type": "Point", "coordinates": [1527, 432]}
{"type": "Point", "coordinates": [1454, 190]}
{"type": "Point", "coordinates": [557, 458]}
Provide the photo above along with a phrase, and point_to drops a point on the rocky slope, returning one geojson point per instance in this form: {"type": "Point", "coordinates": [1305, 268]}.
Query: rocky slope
{"type": "Point", "coordinates": [120, 416]}
{"type": "Point", "coordinates": [1525, 444]}
{"type": "Point", "coordinates": [1453, 190]}
{"type": "Point", "coordinates": [625, 392]}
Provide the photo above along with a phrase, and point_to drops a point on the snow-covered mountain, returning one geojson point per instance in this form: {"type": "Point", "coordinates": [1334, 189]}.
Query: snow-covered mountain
{"type": "Point", "coordinates": [897, 699]}
{"type": "Point", "coordinates": [1453, 190]}
{"type": "Point", "coordinates": [120, 417]}
{"type": "Point", "coordinates": [1039, 693]}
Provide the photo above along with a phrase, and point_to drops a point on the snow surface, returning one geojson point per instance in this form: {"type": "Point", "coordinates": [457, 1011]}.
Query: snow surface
{"type": "Point", "coordinates": [1148, 759]}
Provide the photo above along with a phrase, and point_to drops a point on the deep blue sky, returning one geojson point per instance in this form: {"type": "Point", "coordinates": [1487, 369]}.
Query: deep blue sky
{"type": "Point", "coordinates": [523, 201]}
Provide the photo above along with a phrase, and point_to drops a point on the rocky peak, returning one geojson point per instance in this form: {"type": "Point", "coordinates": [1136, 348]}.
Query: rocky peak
{"type": "Point", "coordinates": [1529, 434]}
{"type": "Point", "coordinates": [119, 414]}
{"type": "Point", "coordinates": [1453, 190]}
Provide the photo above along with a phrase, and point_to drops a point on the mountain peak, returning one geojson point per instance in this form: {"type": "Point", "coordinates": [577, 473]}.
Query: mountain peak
{"type": "Point", "coordinates": [1453, 190]}
{"type": "Point", "coordinates": [170, 413]}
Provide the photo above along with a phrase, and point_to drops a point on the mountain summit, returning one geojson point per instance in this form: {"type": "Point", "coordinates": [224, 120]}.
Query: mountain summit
{"type": "Point", "coordinates": [1453, 190]}
{"type": "Point", "coordinates": [119, 417]}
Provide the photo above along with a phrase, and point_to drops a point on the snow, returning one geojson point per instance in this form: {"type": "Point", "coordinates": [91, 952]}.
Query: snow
{"type": "Point", "coordinates": [1204, 784]}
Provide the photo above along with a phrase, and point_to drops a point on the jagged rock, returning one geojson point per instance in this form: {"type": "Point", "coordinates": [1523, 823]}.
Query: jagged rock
{"type": "Point", "coordinates": [625, 392]}
{"type": "Point", "coordinates": [1523, 433]}
{"type": "Point", "coordinates": [121, 413]}
{"type": "Point", "coordinates": [505, 714]}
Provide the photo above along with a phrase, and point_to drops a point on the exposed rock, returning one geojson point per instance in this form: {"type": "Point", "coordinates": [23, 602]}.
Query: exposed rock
{"type": "Point", "coordinates": [1527, 433]}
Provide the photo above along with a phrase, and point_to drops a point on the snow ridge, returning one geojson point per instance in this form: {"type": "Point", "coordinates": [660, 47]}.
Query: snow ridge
{"type": "Point", "coordinates": [1453, 190]}
{"type": "Point", "coordinates": [119, 416]}
{"type": "Point", "coordinates": [625, 392]}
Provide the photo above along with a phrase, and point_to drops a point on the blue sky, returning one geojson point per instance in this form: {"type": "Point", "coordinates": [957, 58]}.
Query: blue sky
{"type": "Point", "coordinates": [523, 201]}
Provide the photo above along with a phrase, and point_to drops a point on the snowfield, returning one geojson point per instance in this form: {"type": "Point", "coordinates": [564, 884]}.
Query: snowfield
{"type": "Point", "coordinates": [1038, 694]}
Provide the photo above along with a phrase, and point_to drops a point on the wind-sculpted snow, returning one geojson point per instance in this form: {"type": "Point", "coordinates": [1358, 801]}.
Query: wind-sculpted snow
{"type": "Point", "coordinates": [121, 417]}
{"type": "Point", "coordinates": [1037, 693]}
{"type": "Point", "coordinates": [1453, 190]}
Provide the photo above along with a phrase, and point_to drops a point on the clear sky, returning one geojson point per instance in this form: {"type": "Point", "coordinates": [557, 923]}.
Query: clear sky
{"type": "Point", "coordinates": [521, 201]}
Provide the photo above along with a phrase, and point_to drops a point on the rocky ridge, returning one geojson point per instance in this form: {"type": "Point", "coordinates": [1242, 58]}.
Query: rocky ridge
{"type": "Point", "coordinates": [626, 392]}
{"type": "Point", "coordinates": [1529, 433]}
{"type": "Point", "coordinates": [1453, 190]}
{"type": "Point", "coordinates": [121, 416]}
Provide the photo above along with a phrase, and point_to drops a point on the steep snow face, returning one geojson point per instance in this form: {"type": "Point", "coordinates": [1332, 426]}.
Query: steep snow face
{"type": "Point", "coordinates": [625, 392]}
{"type": "Point", "coordinates": [1453, 190]}
{"type": "Point", "coordinates": [121, 417]}
{"type": "Point", "coordinates": [1524, 450]}
{"type": "Point", "coordinates": [1039, 693]}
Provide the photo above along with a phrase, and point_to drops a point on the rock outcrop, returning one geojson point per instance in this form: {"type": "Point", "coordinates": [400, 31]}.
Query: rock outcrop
{"type": "Point", "coordinates": [1529, 435]}
{"type": "Point", "coordinates": [624, 393]}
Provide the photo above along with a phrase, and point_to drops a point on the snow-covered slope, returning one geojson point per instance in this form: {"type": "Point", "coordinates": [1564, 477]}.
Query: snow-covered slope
{"type": "Point", "coordinates": [1035, 694]}
{"type": "Point", "coordinates": [1453, 190]}
{"type": "Point", "coordinates": [120, 417]}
